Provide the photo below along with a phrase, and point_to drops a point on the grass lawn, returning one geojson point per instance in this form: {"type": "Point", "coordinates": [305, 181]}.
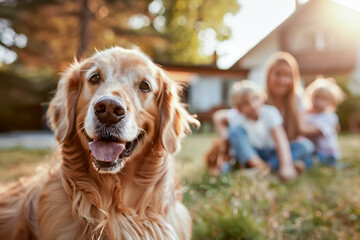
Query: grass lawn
{"type": "Point", "coordinates": [323, 203]}
{"type": "Point", "coordinates": [17, 162]}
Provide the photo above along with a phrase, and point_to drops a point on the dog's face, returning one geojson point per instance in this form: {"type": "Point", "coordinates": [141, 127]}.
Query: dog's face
{"type": "Point", "coordinates": [121, 106]}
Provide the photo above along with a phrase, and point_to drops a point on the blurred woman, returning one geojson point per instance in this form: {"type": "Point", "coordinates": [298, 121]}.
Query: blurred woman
{"type": "Point", "coordinates": [285, 93]}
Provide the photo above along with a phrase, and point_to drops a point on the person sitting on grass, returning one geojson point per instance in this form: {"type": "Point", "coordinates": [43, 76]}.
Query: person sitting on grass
{"type": "Point", "coordinates": [325, 96]}
{"type": "Point", "coordinates": [255, 132]}
{"type": "Point", "coordinates": [284, 91]}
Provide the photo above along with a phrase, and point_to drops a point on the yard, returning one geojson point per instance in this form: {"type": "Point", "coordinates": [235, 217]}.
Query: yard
{"type": "Point", "coordinates": [323, 203]}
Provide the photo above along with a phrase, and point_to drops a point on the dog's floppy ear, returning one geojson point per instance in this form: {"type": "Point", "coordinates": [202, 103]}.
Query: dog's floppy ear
{"type": "Point", "coordinates": [174, 120]}
{"type": "Point", "coordinates": [61, 112]}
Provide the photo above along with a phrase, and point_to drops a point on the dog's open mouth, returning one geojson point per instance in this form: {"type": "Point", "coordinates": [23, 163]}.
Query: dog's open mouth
{"type": "Point", "coordinates": [108, 154]}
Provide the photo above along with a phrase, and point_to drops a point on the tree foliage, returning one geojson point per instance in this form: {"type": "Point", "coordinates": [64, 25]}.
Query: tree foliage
{"type": "Point", "coordinates": [166, 30]}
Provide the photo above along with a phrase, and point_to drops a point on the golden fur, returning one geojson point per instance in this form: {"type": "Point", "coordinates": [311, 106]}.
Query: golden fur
{"type": "Point", "coordinates": [218, 153]}
{"type": "Point", "coordinates": [139, 198]}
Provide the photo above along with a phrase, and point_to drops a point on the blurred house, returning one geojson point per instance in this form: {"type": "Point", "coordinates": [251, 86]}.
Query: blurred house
{"type": "Point", "coordinates": [208, 87]}
{"type": "Point", "coordinates": [322, 35]}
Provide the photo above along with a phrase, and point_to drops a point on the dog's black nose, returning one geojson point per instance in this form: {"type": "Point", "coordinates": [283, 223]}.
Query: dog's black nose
{"type": "Point", "coordinates": [109, 110]}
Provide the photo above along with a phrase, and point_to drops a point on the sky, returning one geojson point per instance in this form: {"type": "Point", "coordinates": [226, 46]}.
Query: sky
{"type": "Point", "coordinates": [252, 23]}
{"type": "Point", "coordinates": [255, 20]}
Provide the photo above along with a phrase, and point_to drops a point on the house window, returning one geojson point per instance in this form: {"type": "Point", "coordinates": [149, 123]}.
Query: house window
{"type": "Point", "coordinates": [304, 40]}
{"type": "Point", "coordinates": [205, 93]}
{"type": "Point", "coordinates": [320, 43]}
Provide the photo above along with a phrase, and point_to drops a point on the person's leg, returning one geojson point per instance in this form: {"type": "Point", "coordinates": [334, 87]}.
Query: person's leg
{"type": "Point", "coordinates": [327, 160]}
{"type": "Point", "coordinates": [270, 157]}
{"type": "Point", "coordinates": [302, 149]}
{"type": "Point", "coordinates": [225, 168]}
{"type": "Point", "coordinates": [242, 150]}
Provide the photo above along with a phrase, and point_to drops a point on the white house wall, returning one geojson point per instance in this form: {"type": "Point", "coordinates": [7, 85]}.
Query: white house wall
{"type": "Point", "coordinates": [261, 52]}
{"type": "Point", "coordinates": [205, 92]}
{"type": "Point", "coordinates": [354, 84]}
{"type": "Point", "coordinates": [257, 74]}
{"type": "Point", "coordinates": [256, 59]}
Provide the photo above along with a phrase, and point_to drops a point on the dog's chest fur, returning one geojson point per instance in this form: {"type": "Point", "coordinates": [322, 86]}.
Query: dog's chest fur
{"type": "Point", "coordinates": [112, 212]}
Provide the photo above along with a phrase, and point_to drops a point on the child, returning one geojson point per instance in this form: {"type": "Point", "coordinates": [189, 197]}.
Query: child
{"type": "Point", "coordinates": [255, 131]}
{"type": "Point", "coordinates": [325, 95]}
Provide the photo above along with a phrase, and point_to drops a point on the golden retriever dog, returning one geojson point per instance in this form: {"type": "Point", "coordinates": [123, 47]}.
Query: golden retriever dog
{"type": "Point", "coordinates": [118, 120]}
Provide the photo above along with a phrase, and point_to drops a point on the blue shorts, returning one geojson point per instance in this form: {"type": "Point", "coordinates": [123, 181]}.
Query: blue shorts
{"type": "Point", "coordinates": [242, 150]}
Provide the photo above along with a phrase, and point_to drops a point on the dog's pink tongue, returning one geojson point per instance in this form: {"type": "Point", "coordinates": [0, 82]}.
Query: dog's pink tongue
{"type": "Point", "coordinates": [106, 151]}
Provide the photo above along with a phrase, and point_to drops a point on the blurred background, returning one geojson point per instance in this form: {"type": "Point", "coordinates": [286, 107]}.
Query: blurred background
{"type": "Point", "coordinates": [207, 44]}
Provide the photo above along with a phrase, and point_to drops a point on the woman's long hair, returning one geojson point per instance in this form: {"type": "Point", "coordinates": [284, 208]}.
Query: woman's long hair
{"type": "Point", "coordinates": [291, 99]}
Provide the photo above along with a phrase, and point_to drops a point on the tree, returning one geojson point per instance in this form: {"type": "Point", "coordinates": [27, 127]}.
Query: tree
{"type": "Point", "coordinates": [166, 30]}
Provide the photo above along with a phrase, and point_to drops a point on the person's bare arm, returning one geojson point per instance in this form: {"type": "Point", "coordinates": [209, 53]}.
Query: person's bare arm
{"type": "Point", "coordinates": [282, 146]}
{"type": "Point", "coordinates": [308, 129]}
{"type": "Point", "coordinates": [338, 128]}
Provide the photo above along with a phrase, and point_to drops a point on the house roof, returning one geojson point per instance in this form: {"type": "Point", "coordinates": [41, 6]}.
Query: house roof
{"type": "Point", "coordinates": [183, 73]}
{"type": "Point", "coordinates": [298, 12]}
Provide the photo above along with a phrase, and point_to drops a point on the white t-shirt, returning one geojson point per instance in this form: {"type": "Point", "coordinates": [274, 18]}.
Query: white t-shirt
{"type": "Point", "coordinates": [258, 131]}
{"type": "Point", "coordinates": [326, 144]}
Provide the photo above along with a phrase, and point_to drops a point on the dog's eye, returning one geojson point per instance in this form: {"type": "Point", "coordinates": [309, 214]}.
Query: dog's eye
{"type": "Point", "coordinates": [144, 86]}
{"type": "Point", "coordinates": [95, 78]}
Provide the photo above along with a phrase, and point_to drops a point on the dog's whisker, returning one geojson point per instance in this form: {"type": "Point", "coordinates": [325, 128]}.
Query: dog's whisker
{"type": "Point", "coordinates": [81, 129]}
{"type": "Point", "coordinates": [123, 171]}
{"type": "Point", "coordinates": [80, 123]}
